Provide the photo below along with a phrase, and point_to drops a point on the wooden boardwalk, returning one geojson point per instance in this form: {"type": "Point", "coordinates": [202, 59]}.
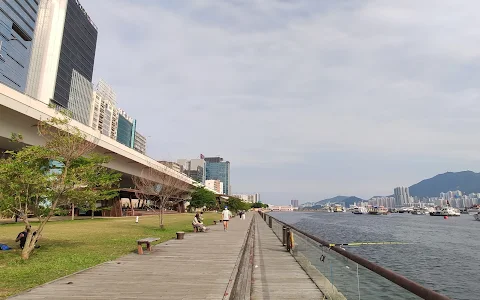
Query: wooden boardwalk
{"type": "Point", "coordinates": [198, 267]}
{"type": "Point", "coordinates": [277, 275]}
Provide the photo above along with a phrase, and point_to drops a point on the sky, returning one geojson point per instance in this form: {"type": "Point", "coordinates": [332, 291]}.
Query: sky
{"type": "Point", "coordinates": [307, 99]}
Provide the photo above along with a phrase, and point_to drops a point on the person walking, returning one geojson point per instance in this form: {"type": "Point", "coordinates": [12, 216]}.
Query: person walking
{"type": "Point", "coordinates": [226, 215]}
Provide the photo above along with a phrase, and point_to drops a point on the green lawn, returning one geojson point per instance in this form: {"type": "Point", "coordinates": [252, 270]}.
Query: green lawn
{"type": "Point", "coordinates": [70, 246]}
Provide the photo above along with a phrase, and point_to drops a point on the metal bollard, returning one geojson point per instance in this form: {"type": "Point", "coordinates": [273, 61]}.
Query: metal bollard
{"type": "Point", "coordinates": [289, 246]}
{"type": "Point", "coordinates": [284, 239]}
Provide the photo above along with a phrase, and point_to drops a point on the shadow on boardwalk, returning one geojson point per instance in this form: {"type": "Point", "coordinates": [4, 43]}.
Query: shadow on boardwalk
{"type": "Point", "coordinates": [198, 267]}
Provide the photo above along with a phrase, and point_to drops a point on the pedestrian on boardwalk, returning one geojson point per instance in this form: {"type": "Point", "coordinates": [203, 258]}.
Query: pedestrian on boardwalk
{"type": "Point", "coordinates": [226, 215]}
{"type": "Point", "coordinates": [199, 224]}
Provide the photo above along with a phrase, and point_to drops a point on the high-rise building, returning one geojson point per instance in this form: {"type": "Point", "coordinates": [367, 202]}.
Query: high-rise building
{"type": "Point", "coordinates": [81, 93]}
{"type": "Point", "coordinates": [139, 143]}
{"type": "Point", "coordinates": [125, 129]}
{"type": "Point", "coordinates": [214, 185]}
{"type": "Point", "coordinates": [294, 203]}
{"type": "Point", "coordinates": [103, 112]}
{"type": "Point", "coordinates": [194, 168]}
{"type": "Point", "coordinates": [402, 196]}
{"type": "Point", "coordinates": [17, 29]}
{"type": "Point", "coordinates": [218, 169]}
{"type": "Point", "coordinates": [250, 198]}
{"type": "Point", "coordinates": [65, 40]}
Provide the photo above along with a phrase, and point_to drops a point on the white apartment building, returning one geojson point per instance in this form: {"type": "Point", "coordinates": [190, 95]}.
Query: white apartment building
{"type": "Point", "coordinates": [140, 143]}
{"type": "Point", "coordinates": [214, 185]}
{"type": "Point", "coordinates": [250, 198]}
{"type": "Point", "coordinates": [104, 113]}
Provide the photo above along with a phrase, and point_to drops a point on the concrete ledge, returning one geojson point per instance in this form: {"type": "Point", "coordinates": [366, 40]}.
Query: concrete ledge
{"type": "Point", "coordinates": [241, 279]}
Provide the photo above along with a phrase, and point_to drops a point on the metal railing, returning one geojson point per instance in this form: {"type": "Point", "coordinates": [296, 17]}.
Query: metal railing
{"type": "Point", "coordinates": [340, 274]}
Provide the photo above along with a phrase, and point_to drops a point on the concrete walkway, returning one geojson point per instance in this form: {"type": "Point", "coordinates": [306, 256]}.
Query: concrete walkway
{"type": "Point", "coordinates": [278, 275]}
{"type": "Point", "coordinates": [198, 267]}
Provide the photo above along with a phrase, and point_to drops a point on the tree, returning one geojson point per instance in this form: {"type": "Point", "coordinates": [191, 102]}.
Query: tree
{"type": "Point", "coordinates": [37, 180]}
{"type": "Point", "coordinates": [235, 204]}
{"type": "Point", "coordinates": [159, 187]}
{"type": "Point", "coordinates": [257, 205]}
{"type": "Point", "coordinates": [202, 197]}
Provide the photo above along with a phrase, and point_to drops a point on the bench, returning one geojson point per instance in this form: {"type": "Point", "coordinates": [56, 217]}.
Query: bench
{"type": "Point", "coordinates": [147, 241]}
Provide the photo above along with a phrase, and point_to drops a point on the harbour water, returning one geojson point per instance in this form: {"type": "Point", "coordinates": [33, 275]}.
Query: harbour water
{"type": "Point", "coordinates": [439, 254]}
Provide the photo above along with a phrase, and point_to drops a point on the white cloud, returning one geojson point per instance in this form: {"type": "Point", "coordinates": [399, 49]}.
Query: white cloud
{"type": "Point", "coordinates": [273, 82]}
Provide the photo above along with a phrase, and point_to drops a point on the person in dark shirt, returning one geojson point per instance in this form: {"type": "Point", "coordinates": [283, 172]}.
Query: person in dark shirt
{"type": "Point", "coordinates": [22, 237]}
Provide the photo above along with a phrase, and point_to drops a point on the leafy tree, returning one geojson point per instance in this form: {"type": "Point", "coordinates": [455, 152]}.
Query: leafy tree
{"type": "Point", "coordinates": [202, 197]}
{"type": "Point", "coordinates": [160, 187]}
{"type": "Point", "coordinates": [235, 204]}
{"type": "Point", "coordinates": [259, 205]}
{"type": "Point", "coordinates": [38, 180]}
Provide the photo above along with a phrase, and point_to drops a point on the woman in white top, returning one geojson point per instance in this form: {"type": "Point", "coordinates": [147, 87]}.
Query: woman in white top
{"type": "Point", "coordinates": [198, 224]}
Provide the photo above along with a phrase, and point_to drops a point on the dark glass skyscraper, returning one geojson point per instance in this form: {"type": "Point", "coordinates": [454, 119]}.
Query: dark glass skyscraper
{"type": "Point", "coordinates": [65, 40]}
{"type": "Point", "coordinates": [217, 169]}
{"type": "Point", "coordinates": [79, 43]}
{"type": "Point", "coordinates": [17, 25]}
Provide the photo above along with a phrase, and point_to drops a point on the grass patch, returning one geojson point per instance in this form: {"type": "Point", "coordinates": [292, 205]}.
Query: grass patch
{"type": "Point", "coordinates": [71, 246]}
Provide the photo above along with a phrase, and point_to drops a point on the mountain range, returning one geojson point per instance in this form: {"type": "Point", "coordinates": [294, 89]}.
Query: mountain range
{"type": "Point", "coordinates": [465, 181]}
{"type": "Point", "coordinates": [340, 199]}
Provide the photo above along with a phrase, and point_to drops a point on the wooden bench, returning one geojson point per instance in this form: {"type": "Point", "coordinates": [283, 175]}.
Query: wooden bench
{"type": "Point", "coordinates": [147, 241]}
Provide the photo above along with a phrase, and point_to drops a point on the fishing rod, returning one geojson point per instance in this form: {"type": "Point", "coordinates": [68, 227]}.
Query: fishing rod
{"type": "Point", "coordinates": [368, 243]}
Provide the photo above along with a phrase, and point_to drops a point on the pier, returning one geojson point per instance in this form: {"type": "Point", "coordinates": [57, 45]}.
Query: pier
{"type": "Point", "coordinates": [249, 261]}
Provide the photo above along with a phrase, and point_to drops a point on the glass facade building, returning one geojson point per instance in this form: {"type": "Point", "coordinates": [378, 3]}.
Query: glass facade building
{"type": "Point", "coordinates": [65, 40]}
{"type": "Point", "coordinates": [81, 91]}
{"type": "Point", "coordinates": [124, 131]}
{"type": "Point", "coordinates": [17, 26]}
{"type": "Point", "coordinates": [217, 169]}
{"type": "Point", "coordinates": [77, 52]}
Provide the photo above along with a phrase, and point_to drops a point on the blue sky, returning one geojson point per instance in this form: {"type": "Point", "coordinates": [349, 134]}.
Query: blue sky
{"type": "Point", "coordinates": [306, 99]}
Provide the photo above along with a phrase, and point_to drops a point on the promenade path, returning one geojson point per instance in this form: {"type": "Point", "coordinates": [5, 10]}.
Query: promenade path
{"type": "Point", "coordinates": [277, 274]}
{"type": "Point", "coordinates": [197, 267]}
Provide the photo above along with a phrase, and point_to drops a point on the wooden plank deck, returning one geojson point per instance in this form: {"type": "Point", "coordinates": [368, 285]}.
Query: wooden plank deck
{"type": "Point", "coordinates": [198, 267]}
{"type": "Point", "coordinates": [277, 275]}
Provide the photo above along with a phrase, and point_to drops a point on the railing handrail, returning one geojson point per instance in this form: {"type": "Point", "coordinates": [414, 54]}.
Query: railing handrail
{"type": "Point", "coordinates": [398, 279]}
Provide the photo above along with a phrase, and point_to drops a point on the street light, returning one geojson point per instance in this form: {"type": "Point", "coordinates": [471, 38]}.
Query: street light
{"type": "Point", "coordinates": [1, 44]}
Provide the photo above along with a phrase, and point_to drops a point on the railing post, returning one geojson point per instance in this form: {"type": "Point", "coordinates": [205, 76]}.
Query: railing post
{"type": "Point", "coordinates": [270, 221]}
{"type": "Point", "coordinates": [284, 239]}
{"type": "Point", "coordinates": [289, 246]}
{"type": "Point", "coordinates": [265, 217]}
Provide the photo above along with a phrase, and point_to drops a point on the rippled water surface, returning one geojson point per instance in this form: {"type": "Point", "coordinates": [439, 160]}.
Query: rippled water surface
{"type": "Point", "coordinates": [441, 254]}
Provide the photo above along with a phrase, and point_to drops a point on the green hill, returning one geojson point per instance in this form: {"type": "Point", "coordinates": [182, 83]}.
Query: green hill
{"type": "Point", "coordinates": [465, 181]}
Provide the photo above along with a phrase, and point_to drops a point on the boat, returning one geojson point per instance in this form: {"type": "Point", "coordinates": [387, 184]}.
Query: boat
{"type": "Point", "coordinates": [338, 208]}
{"type": "Point", "coordinates": [474, 209]}
{"type": "Point", "coordinates": [446, 211]}
{"type": "Point", "coordinates": [360, 210]}
{"type": "Point", "coordinates": [378, 210]}
{"type": "Point", "coordinates": [420, 211]}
